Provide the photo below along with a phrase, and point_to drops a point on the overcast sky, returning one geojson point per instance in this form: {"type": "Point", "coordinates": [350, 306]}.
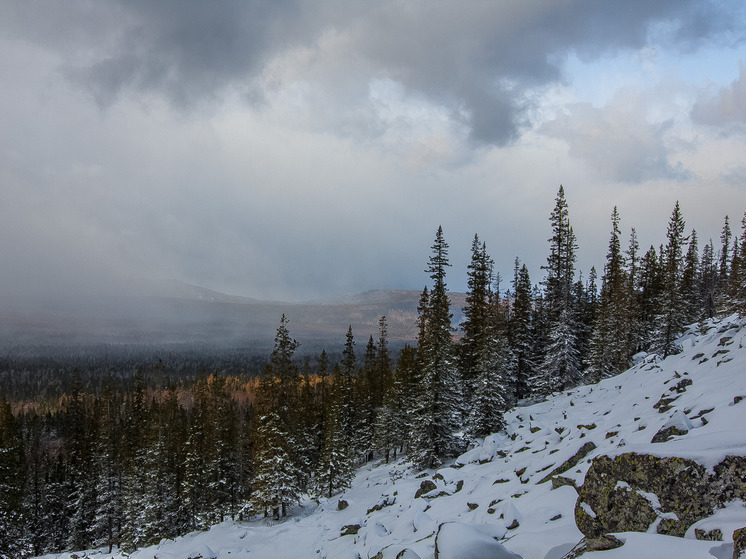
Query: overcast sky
{"type": "Point", "coordinates": [304, 149]}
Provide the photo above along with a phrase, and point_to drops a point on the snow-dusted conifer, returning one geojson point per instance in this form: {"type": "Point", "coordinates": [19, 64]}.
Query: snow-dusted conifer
{"type": "Point", "coordinates": [437, 407]}
{"type": "Point", "coordinates": [561, 367]}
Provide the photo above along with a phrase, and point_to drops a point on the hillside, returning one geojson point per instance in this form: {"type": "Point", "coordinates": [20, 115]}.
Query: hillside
{"type": "Point", "coordinates": [502, 488]}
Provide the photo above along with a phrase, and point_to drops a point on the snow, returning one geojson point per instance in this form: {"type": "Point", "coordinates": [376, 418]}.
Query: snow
{"type": "Point", "coordinates": [460, 541]}
{"type": "Point", "coordinates": [499, 477]}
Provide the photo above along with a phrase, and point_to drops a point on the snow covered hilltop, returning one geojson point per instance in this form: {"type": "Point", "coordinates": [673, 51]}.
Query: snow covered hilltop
{"type": "Point", "coordinates": [521, 487]}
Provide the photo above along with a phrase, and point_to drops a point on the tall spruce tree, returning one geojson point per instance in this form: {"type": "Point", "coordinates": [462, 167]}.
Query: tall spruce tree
{"type": "Point", "coordinates": [561, 367]}
{"type": "Point", "coordinates": [437, 408]}
{"type": "Point", "coordinates": [690, 282]}
{"type": "Point", "coordinates": [671, 312]}
{"type": "Point", "coordinates": [610, 354]}
{"type": "Point", "coordinates": [521, 335]}
{"type": "Point", "coordinates": [278, 478]}
{"type": "Point", "coordinates": [708, 281]}
{"type": "Point", "coordinates": [335, 467]}
{"type": "Point", "coordinates": [495, 369]}
{"type": "Point", "coordinates": [472, 349]}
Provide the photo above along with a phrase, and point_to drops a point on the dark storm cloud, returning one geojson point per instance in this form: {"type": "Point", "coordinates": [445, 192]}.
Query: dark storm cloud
{"type": "Point", "coordinates": [479, 57]}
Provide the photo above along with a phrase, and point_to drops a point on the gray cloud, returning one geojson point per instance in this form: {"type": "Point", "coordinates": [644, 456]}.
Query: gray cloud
{"type": "Point", "coordinates": [617, 141]}
{"type": "Point", "coordinates": [462, 54]}
{"type": "Point", "coordinates": [726, 109]}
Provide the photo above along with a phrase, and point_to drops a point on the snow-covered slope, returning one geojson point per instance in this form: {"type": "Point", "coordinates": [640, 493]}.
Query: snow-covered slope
{"type": "Point", "coordinates": [495, 488]}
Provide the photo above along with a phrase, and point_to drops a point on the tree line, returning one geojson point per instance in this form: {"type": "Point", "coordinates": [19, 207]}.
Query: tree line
{"type": "Point", "coordinates": [136, 462]}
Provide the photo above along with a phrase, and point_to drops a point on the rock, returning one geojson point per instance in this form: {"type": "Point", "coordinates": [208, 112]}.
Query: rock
{"type": "Point", "coordinates": [560, 481]}
{"type": "Point", "coordinates": [407, 554]}
{"type": "Point", "coordinates": [472, 506]}
{"type": "Point", "coordinates": [739, 543]}
{"type": "Point", "coordinates": [459, 485]}
{"type": "Point", "coordinates": [342, 504]}
{"type": "Point", "coordinates": [429, 496]}
{"type": "Point", "coordinates": [677, 424]}
{"type": "Point", "coordinates": [666, 434]}
{"type": "Point", "coordinates": [712, 536]}
{"type": "Point", "coordinates": [202, 552]}
{"type": "Point", "coordinates": [582, 452]}
{"type": "Point", "coordinates": [602, 543]}
{"type": "Point", "coordinates": [631, 492]}
{"type": "Point", "coordinates": [513, 525]}
{"type": "Point", "coordinates": [439, 476]}
{"type": "Point", "coordinates": [385, 501]}
{"type": "Point", "coordinates": [461, 541]}
{"type": "Point", "coordinates": [425, 487]}
{"type": "Point", "coordinates": [350, 530]}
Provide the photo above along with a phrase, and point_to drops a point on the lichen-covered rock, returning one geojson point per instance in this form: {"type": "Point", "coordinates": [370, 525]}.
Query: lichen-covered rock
{"type": "Point", "coordinates": [630, 492]}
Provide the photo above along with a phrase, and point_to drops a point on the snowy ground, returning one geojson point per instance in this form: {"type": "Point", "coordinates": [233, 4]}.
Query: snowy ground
{"type": "Point", "coordinates": [493, 489]}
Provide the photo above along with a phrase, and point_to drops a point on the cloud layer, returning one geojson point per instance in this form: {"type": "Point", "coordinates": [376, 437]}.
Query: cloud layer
{"type": "Point", "coordinates": [299, 149]}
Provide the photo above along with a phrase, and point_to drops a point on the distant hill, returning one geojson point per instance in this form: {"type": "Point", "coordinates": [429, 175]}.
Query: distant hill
{"type": "Point", "coordinates": [174, 313]}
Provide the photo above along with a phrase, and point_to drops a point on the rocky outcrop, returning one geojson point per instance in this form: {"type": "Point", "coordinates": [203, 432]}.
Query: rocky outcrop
{"type": "Point", "coordinates": [631, 492]}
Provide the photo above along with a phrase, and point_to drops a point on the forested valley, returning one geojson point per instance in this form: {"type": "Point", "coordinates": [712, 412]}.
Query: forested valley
{"type": "Point", "coordinates": [126, 454]}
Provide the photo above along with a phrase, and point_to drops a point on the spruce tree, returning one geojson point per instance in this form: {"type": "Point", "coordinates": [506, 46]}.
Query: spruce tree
{"type": "Point", "coordinates": [672, 318]}
{"type": "Point", "coordinates": [277, 479]}
{"type": "Point", "coordinates": [561, 367]}
{"type": "Point", "coordinates": [472, 348]}
{"type": "Point", "coordinates": [708, 290]}
{"type": "Point", "coordinates": [724, 263]}
{"type": "Point", "coordinates": [12, 481]}
{"type": "Point", "coordinates": [494, 368]}
{"type": "Point", "coordinates": [690, 282]}
{"type": "Point", "coordinates": [649, 297]}
{"type": "Point", "coordinates": [435, 416]}
{"type": "Point", "coordinates": [521, 335]}
{"type": "Point", "coordinates": [335, 466]}
{"type": "Point", "coordinates": [610, 354]}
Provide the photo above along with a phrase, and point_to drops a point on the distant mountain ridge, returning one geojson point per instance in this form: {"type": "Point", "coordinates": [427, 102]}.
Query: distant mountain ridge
{"type": "Point", "coordinates": [175, 312]}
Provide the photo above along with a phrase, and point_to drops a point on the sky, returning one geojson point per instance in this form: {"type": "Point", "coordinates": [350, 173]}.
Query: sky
{"type": "Point", "coordinates": [296, 150]}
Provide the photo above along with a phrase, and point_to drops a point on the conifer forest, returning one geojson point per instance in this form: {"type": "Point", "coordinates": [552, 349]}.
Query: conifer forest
{"type": "Point", "coordinates": [124, 457]}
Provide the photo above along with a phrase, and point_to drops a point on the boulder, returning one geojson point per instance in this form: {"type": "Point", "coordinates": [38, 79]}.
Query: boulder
{"type": "Point", "coordinates": [425, 487]}
{"type": "Point", "coordinates": [632, 492]}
